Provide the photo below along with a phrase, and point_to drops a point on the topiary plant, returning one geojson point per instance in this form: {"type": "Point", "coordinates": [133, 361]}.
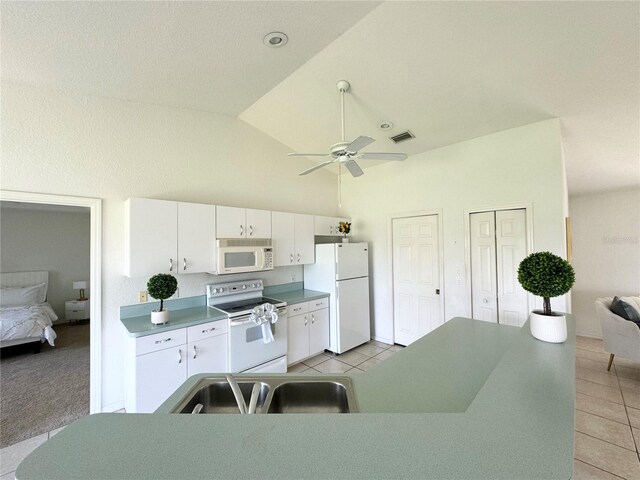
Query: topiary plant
{"type": "Point", "coordinates": [162, 286]}
{"type": "Point", "coordinates": [546, 275]}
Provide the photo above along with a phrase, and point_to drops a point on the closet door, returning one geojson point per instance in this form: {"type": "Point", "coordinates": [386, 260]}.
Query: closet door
{"type": "Point", "coordinates": [511, 248]}
{"type": "Point", "coordinates": [484, 298]}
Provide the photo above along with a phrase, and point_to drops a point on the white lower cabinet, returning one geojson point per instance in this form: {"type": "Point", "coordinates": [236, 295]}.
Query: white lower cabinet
{"type": "Point", "coordinates": [156, 365]}
{"type": "Point", "coordinates": [308, 330]}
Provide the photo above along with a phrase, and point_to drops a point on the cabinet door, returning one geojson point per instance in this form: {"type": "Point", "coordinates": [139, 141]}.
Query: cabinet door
{"type": "Point", "coordinates": [319, 331]}
{"type": "Point", "coordinates": [324, 226]}
{"type": "Point", "coordinates": [304, 242]}
{"type": "Point", "coordinates": [297, 338]}
{"type": "Point", "coordinates": [151, 237]}
{"type": "Point", "coordinates": [282, 234]}
{"type": "Point", "coordinates": [230, 222]}
{"type": "Point", "coordinates": [208, 355]}
{"type": "Point", "coordinates": [196, 237]}
{"type": "Point", "coordinates": [258, 223]}
{"type": "Point", "coordinates": [158, 375]}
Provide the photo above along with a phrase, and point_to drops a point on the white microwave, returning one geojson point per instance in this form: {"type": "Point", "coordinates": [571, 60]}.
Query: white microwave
{"type": "Point", "coordinates": [238, 255]}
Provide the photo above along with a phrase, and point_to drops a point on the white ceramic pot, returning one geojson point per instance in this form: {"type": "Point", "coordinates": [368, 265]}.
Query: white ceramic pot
{"type": "Point", "coordinates": [548, 328]}
{"type": "Point", "coordinates": [345, 239]}
{"type": "Point", "coordinates": [159, 317]}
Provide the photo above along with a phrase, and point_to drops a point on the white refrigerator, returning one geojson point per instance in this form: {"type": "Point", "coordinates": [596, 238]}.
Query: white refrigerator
{"type": "Point", "coordinates": [342, 270]}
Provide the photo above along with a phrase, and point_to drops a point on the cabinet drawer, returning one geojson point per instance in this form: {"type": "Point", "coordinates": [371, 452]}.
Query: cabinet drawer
{"type": "Point", "coordinates": [298, 308]}
{"type": "Point", "coordinates": [160, 341]}
{"type": "Point", "coordinates": [318, 304]}
{"type": "Point", "coordinates": [80, 314]}
{"type": "Point", "coordinates": [206, 330]}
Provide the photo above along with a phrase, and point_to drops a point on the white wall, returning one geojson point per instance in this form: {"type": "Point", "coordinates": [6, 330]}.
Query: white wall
{"type": "Point", "coordinates": [606, 252]}
{"type": "Point", "coordinates": [57, 241]}
{"type": "Point", "coordinates": [96, 147]}
{"type": "Point", "coordinates": [521, 165]}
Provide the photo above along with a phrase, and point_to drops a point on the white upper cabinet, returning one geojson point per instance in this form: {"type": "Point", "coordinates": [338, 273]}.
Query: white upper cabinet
{"type": "Point", "coordinates": [303, 238]}
{"type": "Point", "coordinates": [196, 237]}
{"type": "Point", "coordinates": [328, 225]}
{"type": "Point", "coordinates": [230, 222]}
{"type": "Point", "coordinates": [292, 235]}
{"type": "Point", "coordinates": [168, 237]}
{"type": "Point", "coordinates": [151, 237]}
{"type": "Point", "coordinates": [282, 234]}
{"type": "Point", "coordinates": [233, 222]}
{"type": "Point", "coordinates": [258, 223]}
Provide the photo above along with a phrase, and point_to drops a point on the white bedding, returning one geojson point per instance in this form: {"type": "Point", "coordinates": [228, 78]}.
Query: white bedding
{"type": "Point", "coordinates": [28, 321]}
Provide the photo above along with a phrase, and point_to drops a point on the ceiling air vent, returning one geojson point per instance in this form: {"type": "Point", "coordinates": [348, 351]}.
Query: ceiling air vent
{"type": "Point", "coordinates": [401, 137]}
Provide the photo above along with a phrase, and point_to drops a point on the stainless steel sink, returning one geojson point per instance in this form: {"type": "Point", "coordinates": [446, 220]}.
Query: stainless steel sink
{"type": "Point", "coordinates": [310, 397]}
{"type": "Point", "coordinates": [277, 394]}
{"type": "Point", "coordinates": [216, 396]}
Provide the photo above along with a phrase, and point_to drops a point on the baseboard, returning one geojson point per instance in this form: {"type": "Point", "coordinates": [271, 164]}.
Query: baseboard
{"type": "Point", "coordinates": [112, 407]}
{"type": "Point", "coordinates": [381, 339]}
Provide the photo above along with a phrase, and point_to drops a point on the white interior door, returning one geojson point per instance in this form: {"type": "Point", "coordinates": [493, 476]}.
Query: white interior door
{"type": "Point", "coordinates": [416, 277]}
{"type": "Point", "coordinates": [511, 249]}
{"type": "Point", "coordinates": [484, 295]}
{"type": "Point", "coordinates": [352, 260]}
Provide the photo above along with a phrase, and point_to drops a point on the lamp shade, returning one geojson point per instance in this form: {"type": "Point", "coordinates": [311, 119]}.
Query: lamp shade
{"type": "Point", "coordinates": [79, 285]}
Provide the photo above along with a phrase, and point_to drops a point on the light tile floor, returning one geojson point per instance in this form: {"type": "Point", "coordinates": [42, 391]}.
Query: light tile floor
{"type": "Point", "coordinates": [607, 422]}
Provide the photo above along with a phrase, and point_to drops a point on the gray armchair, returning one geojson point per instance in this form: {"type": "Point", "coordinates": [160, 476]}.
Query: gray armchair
{"type": "Point", "coordinates": [621, 337]}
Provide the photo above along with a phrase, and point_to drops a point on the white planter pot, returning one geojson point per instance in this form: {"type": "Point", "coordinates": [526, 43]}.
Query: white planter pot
{"type": "Point", "coordinates": [159, 317]}
{"type": "Point", "coordinates": [548, 328]}
{"type": "Point", "coordinates": [345, 240]}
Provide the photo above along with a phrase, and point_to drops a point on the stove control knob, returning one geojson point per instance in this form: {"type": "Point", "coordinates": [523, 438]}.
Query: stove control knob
{"type": "Point", "coordinates": [253, 285]}
{"type": "Point", "coordinates": [244, 287]}
{"type": "Point", "coordinates": [221, 289]}
{"type": "Point", "coordinates": [215, 290]}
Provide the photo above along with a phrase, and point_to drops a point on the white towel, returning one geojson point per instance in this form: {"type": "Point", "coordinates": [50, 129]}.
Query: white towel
{"type": "Point", "coordinates": [265, 315]}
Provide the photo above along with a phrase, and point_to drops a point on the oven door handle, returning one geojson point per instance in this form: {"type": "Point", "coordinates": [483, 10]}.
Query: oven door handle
{"type": "Point", "coordinates": [237, 323]}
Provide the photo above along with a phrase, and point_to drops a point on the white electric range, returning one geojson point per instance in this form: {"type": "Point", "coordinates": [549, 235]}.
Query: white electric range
{"type": "Point", "coordinates": [247, 350]}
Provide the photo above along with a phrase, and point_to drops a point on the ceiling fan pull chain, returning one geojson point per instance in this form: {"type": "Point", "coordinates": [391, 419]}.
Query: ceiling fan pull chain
{"type": "Point", "coordinates": [342, 102]}
{"type": "Point", "coordinates": [339, 185]}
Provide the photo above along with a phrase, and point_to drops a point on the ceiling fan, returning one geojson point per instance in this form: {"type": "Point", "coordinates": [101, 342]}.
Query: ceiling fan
{"type": "Point", "coordinates": [345, 153]}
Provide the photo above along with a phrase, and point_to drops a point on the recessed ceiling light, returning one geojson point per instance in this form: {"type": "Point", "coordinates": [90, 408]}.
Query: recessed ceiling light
{"type": "Point", "coordinates": [385, 125]}
{"type": "Point", "coordinates": [275, 39]}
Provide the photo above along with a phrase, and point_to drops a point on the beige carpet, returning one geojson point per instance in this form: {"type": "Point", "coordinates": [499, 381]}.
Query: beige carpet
{"type": "Point", "coordinates": [44, 391]}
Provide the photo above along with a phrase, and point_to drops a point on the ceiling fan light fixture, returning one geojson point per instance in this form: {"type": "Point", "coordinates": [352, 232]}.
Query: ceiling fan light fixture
{"type": "Point", "coordinates": [275, 39]}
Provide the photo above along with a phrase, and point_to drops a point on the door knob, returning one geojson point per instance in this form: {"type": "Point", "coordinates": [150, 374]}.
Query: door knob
{"type": "Point", "coordinates": [484, 300]}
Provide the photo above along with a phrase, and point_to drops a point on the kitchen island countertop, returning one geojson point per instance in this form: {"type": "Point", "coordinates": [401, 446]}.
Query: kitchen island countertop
{"type": "Point", "coordinates": [470, 400]}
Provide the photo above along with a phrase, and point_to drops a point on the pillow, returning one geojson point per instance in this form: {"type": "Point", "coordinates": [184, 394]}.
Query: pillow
{"type": "Point", "coordinates": [21, 296]}
{"type": "Point", "coordinates": [625, 310]}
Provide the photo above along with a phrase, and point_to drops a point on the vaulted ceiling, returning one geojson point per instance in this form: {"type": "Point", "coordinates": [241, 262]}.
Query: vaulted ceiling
{"type": "Point", "coordinates": [447, 71]}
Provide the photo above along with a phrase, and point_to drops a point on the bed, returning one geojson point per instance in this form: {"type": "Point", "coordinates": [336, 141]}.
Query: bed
{"type": "Point", "coordinates": [25, 315]}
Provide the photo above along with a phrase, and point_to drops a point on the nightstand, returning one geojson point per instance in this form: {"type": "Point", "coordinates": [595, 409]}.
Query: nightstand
{"type": "Point", "coordinates": [76, 310]}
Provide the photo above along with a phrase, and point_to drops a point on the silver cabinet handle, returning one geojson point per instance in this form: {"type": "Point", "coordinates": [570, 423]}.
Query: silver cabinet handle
{"type": "Point", "coordinates": [485, 300]}
{"type": "Point", "coordinates": [250, 230]}
{"type": "Point", "coordinates": [331, 229]}
{"type": "Point", "coordinates": [179, 355]}
{"type": "Point", "coordinates": [206, 330]}
{"type": "Point", "coordinates": [171, 264]}
{"type": "Point", "coordinates": [195, 352]}
{"type": "Point", "coordinates": [298, 258]}
{"type": "Point", "coordinates": [241, 230]}
{"type": "Point", "coordinates": [305, 320]}
{"type": "Point", "coordinates": [292, 258]}
{"type": "Point", "coordinates": [168, 339]}
{"type": "Point", "coordinates": [313, 319]}
{"type": "Point", "coordinates": [184, 263]}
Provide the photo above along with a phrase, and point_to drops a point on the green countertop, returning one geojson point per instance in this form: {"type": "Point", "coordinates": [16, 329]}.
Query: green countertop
{"type": "Point", "coordinates": [470, 400]}
{"type": "Point", "coordinates": [298, 296]}
{"type": "Point", "coordinates": [141, 325]}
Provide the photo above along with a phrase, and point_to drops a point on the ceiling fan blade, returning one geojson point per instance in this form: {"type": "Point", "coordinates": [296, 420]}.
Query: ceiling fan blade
{"type": "Point", "coordinates": [383, 156]}
{"type": "Point", "coordinates": [359, 143]}
{"type": "Point", "coordinates": [313, 169]}
{"type": "Point", "coordinates": [353, 168]}
{"type": "Point", "coordinates": [309, 155]}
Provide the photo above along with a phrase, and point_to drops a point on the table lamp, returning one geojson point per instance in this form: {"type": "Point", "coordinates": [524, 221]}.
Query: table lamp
{"type": "Point", "coordinates": [80, 286]}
